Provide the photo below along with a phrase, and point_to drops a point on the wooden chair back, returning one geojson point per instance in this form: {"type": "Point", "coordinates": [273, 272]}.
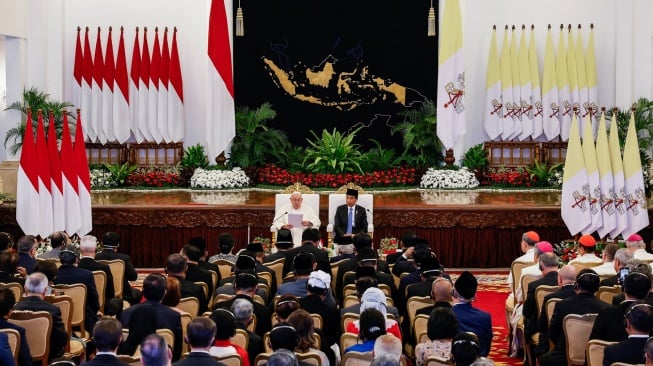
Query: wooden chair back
{"type": "Point", "coordinates": [415, 303]}
{"type": "Point", "coordinates": [420, 326]}
{"type": "Point", "coordinates": [334, 272]}
{"type": "Point", "coordinates": [349, 289]}
{"type": "Point", "coordinates": [191, 305]}
{"type": "Point", "coordinates": [607, 293]}
{"type": "Point", "coordinates": [241, 338]}
{"type": "Point", "coordinates": [267, 276]}
{"type": "Point", "coordinates": [205, 288]}
{"type": "Point", "coordinates": [222, 297]}
{"type": "Point", "coordinates": [515, 269]}
{"type": "Point", "coordinates": [100, 279]}
{"type": "Point", "coordinates": [577, 328]}
{"type": "Point", "coordinates": [353, 358]}
{"type": "Point", "coordinates": [385, 288]}
{"type": "Point", "coordinates": [77, 292]}
{"type": "Point", "coordinates": [540, 293]}
{"type": "Point", "coordinates": [310, 358]}
{"type": "Point", "coordinates": [350, 300]}
{"type": "Point", "coordinates": [317, 321]}
{"type": "Point", "coordinates": [117, 267]}
{"type": "Point", "coordinates": [13, 337]}
{"type": "Point", "coordinates": [230, 360]}
{"type": "Point", "coordinates": [277, 267]}
{"type": "Point", "coordinates": [225, 267]}
{"type": "Point", "coordinates": [16, 288]}
{"type": "Point", "coordinates": [348, 318]}
{"type": "Point", "coordinates": [38, 327]}
{"type": "Point", "coordinates": [594, 351]}
{"type": "Point", "coordinates": [550, 306]}
{"type": "Point", "coordinates": [347, 340]}
{"type": "Point", "coordinates": [185, 320]}
{"type": "Point", "coordinates": [262, 358]}
{"type": "Point", "coordinates": [582, 266]}
{"type": "Point", "coordinates": [524, 282]}
{"type": "Point", "coordinates": [66, 305]}
{"type": "Point", "coordinates": [129, 360]}
{"type": "Point", "coordinates": [437, 361]}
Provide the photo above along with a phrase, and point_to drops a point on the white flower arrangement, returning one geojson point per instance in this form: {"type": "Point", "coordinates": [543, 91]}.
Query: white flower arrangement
{"type": "Point", "coordinates": [101, 178]}
{"type": "Point", "coordinates": [216, 179]}
{"type": "Point", "coordinates": [462, 178]}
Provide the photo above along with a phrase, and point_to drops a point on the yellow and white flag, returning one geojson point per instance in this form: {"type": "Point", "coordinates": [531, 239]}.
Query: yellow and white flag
{"type": "Point", "coordinates": [506, 89]}
{"type": "Point", "coordinates": [550, 102]}
{"type": "Point", "coordinates": [525, 89]}
{"type": "Point", "coordinates": [573, 78]}
{"type": "Point", "coordinates": [581, 73]}
{"type": "Point", "coordinates": [592, 168]}
{"type": "Point", "coordinates": [606, 181]}
{"type": "Point", "coordinates": [516, 89]}
{"type": "Point", "coordinates": [451, 77]}
{"type": "Point", "coordinates": [636, 204]}
{"type": "Point", "coordinates": [536, 91]}
{"type": "Point", "coordinates": [493, 113]}
{"type": "Point", "coordinates": [564, 99]}
{"type": "Point", "coordinates": [575, 207]}
{"type": "Point", "coordinates": [592, 81]}
{"type": "Point", "coordinates": [618, 192]}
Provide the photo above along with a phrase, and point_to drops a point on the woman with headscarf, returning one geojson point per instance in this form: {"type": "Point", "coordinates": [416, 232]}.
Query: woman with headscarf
{"type": "Point", "coordinates": [374, 298]}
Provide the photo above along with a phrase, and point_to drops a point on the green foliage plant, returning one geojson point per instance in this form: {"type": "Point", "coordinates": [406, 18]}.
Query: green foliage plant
{"type": "Point", "coordinates": [334, 153]}
{"type": "Point", "coordinates": [34, 99]}
{"type": "Point", "coordinates": [475, 159]}
{"type": "Point", "coordinates": [643, 124]}
{"type": "Point", "coordinates": [541, 172]}
{"type": "Point", "coordinates": [120, 172]}
{"type": "Point", "coordinates": [194, 157]}
{"type": "Point", "coordinates": [256, 143]}
{"type": "Point", "coordinates": [422, 147]}
{"type": "Point", "coordinates": [378, 158]}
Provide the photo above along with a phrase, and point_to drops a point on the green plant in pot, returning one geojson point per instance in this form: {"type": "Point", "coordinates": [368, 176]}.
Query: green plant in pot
{"type": "Point", "coordinates": [643, 124]}
{"type": "Point", "coordinates": [475, 159]}
{"type": "Point", "coordinates": [36, 100]}
{"type": "Point", "coordinates": [333, 152]}
{"type": "Point", "coordinates": [422, 147]}
{"type": "Point", "coordinates": [120, 172]}
{"type": "Point", "coordinates": [541, 173]}
{"type": "Point", "coordinates": [194, 157]}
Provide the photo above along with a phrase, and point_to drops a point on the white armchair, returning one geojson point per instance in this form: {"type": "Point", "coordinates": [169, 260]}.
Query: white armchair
{"type": "Point", "coordinates": [365, 200]}
{"type": "Point", "coordinates": [282, 201]}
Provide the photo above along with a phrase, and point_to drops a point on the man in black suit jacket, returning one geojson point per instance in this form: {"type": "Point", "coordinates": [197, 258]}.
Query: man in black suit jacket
{"type": "Point", "coordinates": [344, 233]}
{"type": "Point", "coordinates": [36, 286]}
{"type": "Point", "coordinates": [69, 274]}
{"type": "Point", "coordinates": [246, 285]}
{"type": "Point", "coordinates": [622, 258]}
{"type": "Point", "coordinates": [638, 322]}
{"type": "Point", "coordinates": [111, 243]}
{"type": "Point", "coordinates": [405, 244]}
{"type": "Point", "coordinates": [194, 272]}
{"type": "Point", "coordinates": [88, 246]}
{"type": "Point", "coordinates": [7, 302]}
{"type": "Point", "coordinates": [367, 257]}
{"type": "Point", "coordinates": [584, 302]}
{"type": "Point", "coordinates": [199, 336]}
{"type": "Point", "coordinates": [154, 287]}
{"type": "Point", "coordinates": [310, 238]}
{"type": "Point", "coordinates": [283, 244]}
{"type": "Point", "coordinates": [548, 263]}
{"type": "Point", "coordinates": [200, 243]}
{"type": "Point", "coordinates": [361, 240]}
{"type": "Point", "coordinates": [176, 267]}
{"type": "Point", "coordinates": [107, 335]}
{"type": "Point", "coordinates": [566, 280]}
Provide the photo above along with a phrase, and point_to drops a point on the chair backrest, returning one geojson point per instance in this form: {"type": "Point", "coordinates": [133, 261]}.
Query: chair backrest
{"type": "Point", "coordinates": [117, 267]}
{"type": "Point", "coordinates": [222, 297]}
{"type": "Point", "coordinates": [415, 303]}
{"type": "Point", "coordinates": [185, 320]}
{"type": "Point", "coordinates": [230, 360]}
{"type": "Point", "coordinates": [516, 268]}
{"type": "Point", "coordinates": [594, 351]}
{"type": "Point", "coordinates": [204, 286]}
{"type": "Point", "coordinates": [66, 305]}
{"type": "Point", "coordinates": [354, 358]}
{"type": "Point", "coordinates": [317, 321]}
{"type": "Point", "coordinates": [38, 326]}
{"type": "Point", "coordinates": [16, 288]}
{"type": "Point", "coordinates": [77, 292]}
{"type": "Point", "coordinates": [311, 200]}
{"type": "Point", "coordinates": [310, 358]}
{"type": "Point", "coordinates": [525, 281]}
{"type": "Point", "coordinates": [582, 266]}
{"type": "Point", "coordinates": [577, 328]}
{"type": "Point", "coordinates": [224, 266]}
{"type": "Point", "coordinates": [334, 272]}
{"type": "Point", "coordinates": [348, 318]}
{"type": "Point", "coordinates": [540, 293]}
{"type": "Point", "coordinates": [262, 358]}
{"type": "Point", "coordinates": [100, 279]}
{"type": "Point", "coordinates": [191, 305]}
{"type": "Point", "coordinates": [607, 293]}
{"type": "Point", "coordinates": [421, 326]}
{"type": "Point", "coordinates": [349, 289]}
{"type": "Point", "coordinates": [129, 360]}
{"type": "Point", "coordinates": [350, 300]}
{"type": "Point", "coordinates": [167, 335]}
{"type": "Point", "coordinates": [252, 325]}
{"type": "Point", "coordinates": [267, 276]}
{"type": "Point", "coordinates": [14, 341]}
{"type": "Point", "coordinates": [241, 338]}
{"type": "Point", "coordinates": [437, 361]}
{"type": "Point", "coordinates": [550, 306]}
{"type": "Point", "coordinates": [385, 288]}
{"type": "Point", "coordinates": [347, 340]}
{"type": "Point", "coordinates": [277, 267]}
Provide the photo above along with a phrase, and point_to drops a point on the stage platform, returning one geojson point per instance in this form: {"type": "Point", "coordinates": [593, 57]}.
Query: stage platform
{"type": "Point", "coordinates": [479, 229]}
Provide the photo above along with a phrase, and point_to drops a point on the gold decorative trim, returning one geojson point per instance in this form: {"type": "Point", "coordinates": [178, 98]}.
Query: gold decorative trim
{"type": "Point", "coordinates": [297, 187]}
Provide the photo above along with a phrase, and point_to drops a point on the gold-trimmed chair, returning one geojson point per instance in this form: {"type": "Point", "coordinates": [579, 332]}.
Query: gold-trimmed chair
{"type": "Point", "coordinates": [100, 279]}
{"type": "Point", "coordinates": [594, 351]}
{"type": "Point", "coordinates": [74, 347]}
{"type": "Point", "coordinates": [607, 293]}
{"type": "Point", "coordinates": [230, 360]}
{"type": "Point", "coordinates": [191, 305]}
{"type": "Point", "coordinates": [15, 287]}
{"type": "Point", "coordinates": [281, 200]}
{"type": "Point", "coordinates": [117, 267]}
{"type": "Point", "coordinates": [13, 338]}
{"type": "Point", "coordinates": [347, 340]}
{"type": "Point", "coordinates": [38, 327]}
{"type": "Point", "coordinates": [241, 338]}
{"type": "Point", "coordinates": [338, 198]}
{"type": "Point", "coordinates": [577, 328]}
{"type": "Point", "coordinates": [77, 292]}
{"type": "Point", "coordinates": [353, 358]}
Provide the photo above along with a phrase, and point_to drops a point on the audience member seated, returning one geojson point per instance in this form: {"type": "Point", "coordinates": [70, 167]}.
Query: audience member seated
{"type": "Point", "coordinates": [315, 302]}
{"type": "Point", "coordinates": [199, 336]}
{"type": "Point", "coordinates": [640, 267]}
{"type": "Point", "coordinates": [246, 285]}
{"type": "Point", "coordinates": [7, 302]}
{"type": "Point", "coordinates": [200, 243]}
{"type": "Point", "coordinates": [222, 345]}
{"type": "Point", "coordinates": [368, 257]}
{"type": "Point", "coordinates": [607, 267]}
{"type": "Point", "coordinates": [549, 266]}
{"type": "Point", "coordinates": [373, 298]}
{"type": "Point", "coordinates": [36, 285]}
{"type": "Point", "coordinates": [302, 264]}
{"type": "Point", "coordinates": [360, 241]}
{"type": "Point", "coordinates": [311, 238]}
{"type": "Point", "coordinates": [622, 259]}
{"type": "Point", "coordinates": [442, 328]}
{"type": "Point", "coordinates": [9, 270]}
{"type": "Point", "coordinates": [107, 334]}
{"type": "Point", "coordinates": [469, 318]}
{"type": "Point", "coordinates": [176, 267]}
{"type": "Point", "coordinates": [284, 337]}
{"type": "Point", "coordinates": [195, 273]}
{"type": "Point", "coordinates": [372, 326]}
{"type": "Point", "coordinates": [283, 244]}
{"type": "Point", "coordinates": [88, 247]}
{"type": "Point", "coordinates": [465, 351]}
{"type": "Point", "coordinates": [57, 241]}
{"type": "Point", "coordinates": [173, 295]}
{"type": "Point", "coordinates": [49, 269]}
{"type": "Point", "coordinates": [638, 323]}
{"type": "Point", "coordinates": [226, 243]}
{"type": "Point", "coordinates": [110, 246]}
{"type": "Point", "coordinates": [541, 247]}
{"type": "Point", "coordinates": [154, 288]}
{"type": "Point", "coordinates": [27, 246]}
{"type": "Point", "coordinates": [244, 264]}
{"type": "Point", "coordinates": [257, 252]}
{"type": "Point", "coordinates": [343, 252]}
{"type": "Point", "coordinates": [441, 294]}
{"type": "Point", "coordinates": [388, 345]}
{"type": "Point", "coordinates": [405, 249]}
{"type": "Point", "coordinates": [155, 351]}
{"type": "Point", "coordinates": [302, 322]}
{"type": "Point", "coordinates": [365, 278]}
{"type": "Point", "coordinates": [527, 246]}
{"type": "Point", "coordinates": [285, 305]}
{"type": "Point", "coordinates": [283, 357]}
{"type": "Point", "coordinates": [6, 241]}
{"type": "Point", "coordinates": [243, 312]}
{"type": "Point", "coordinates": [429, 270]}
{"type": "Point", "coordinates": [6, 357]}
{"type": "Point", "coordinates": [421, 254]}
{"type": "Point", "coordinates": [142, 323]}
{"type": "Point", "coordinates": [586, 247]}
{"type": "Point", "coordinates": [648, 352]}
{"type": "Point", "coordinates": [636, 245]}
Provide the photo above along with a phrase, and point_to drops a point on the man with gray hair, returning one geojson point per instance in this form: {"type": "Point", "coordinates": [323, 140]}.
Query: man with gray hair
{"type": "Point", "coordinates": [88, 247]}
{"type": "Point", "coordinates": [36, 286]}
{"type": "Point", "coordinates": [243, 311]}
{"type": "Point", "coordinates": [57, 240]}
{"type": "Point", "coordinates": [622, 258]}
{"type": "Point", "coordinates": [26, 247]}
{"type": "Point", "coordinates": [636, 245]}
{"type": "Point", "coordinates": [388, 345]}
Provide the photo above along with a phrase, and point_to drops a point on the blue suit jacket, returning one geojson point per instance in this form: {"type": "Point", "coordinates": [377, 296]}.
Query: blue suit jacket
{"type": "Point", "coordinates": [24, 356]}
{"type": "Point", "coordinates": [6, 358]}
{"type": "Point", "coordinates": [474, 320]}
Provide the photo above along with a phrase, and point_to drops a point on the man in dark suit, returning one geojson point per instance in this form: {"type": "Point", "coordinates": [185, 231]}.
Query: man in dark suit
{"type": "Point", "coordinates": [566, 280]}
{"type": "Point", "coordinates": [154, 287]}
{"type": "Point", "coordinates": [107, 334]}
{"type": "Point", "coordinates": [608, 325]}
{"type": "Point", "coordinates": [314, 302]}
{"type": "Point", "coordinates": [246, 285]}
{"type": "Point", "coordinates": [310, 238]}
{"type": "Point", "coordinates": [69, 274]}
{"type": "Point", "coordinates": [243, 311]}
{"type": "Point", "coordinates": [26, 247]}
{"type": "Point", "coordinates": [194, 272]}
{"type": "Point", "coordinates": [176, 267]}
{"type": "Point", "coordinates": [36, 286]}
{"type": "Point", "coordinates": [367, 257]}
{"type": "Point", "coordinates": [88, 246]}
{"type": "Point", "coordinates": [361, 240]}
{"type": "Point", "coordinates": [111, 243]}
{"type": "Point", "coordinates": [199, 336]}
{"type": "Point", "coordinates": [256, 251]}
{"type": "Point", "coordinates": [9, 268]}
{"type": "Point", "coordinates": [7, 302]}
{"type": "Point", "coordinates": [429, 270]}
{"type": "Point", "coordinates": [405, 244]}
{"type": "Point", "coordinates": [469, 318]}
{"type": "Point", "coordinates": [283, 244]}
{"type": "Point", "coordinates": [622, 258]}
{"type": "Point", "coordinates": [200, 243]}
{"type": "Point", "coordinates": [350, 219]}
{"type": "Point", "coordinates": [584, 302]}
{"type": "Point", "coordinates": [548, 263]}
{"type": "Point", "coordinates": [638, 322]}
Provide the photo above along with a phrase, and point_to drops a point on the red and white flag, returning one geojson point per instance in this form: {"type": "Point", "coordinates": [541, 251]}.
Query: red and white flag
{"type": "Point", "coordinates": [220, 119]}
{"type": "Point", "coordinates": [58, 205]}
{"type": "Point", "coordinates": [144, 90]}
{"type": "Point", "coordinates": [27, 187]}
{"type": "Point", "coordinates": [84, 180]}
{"type": "Point", "coordinates": [155, 66]}
{"type": "Point", "coordinates": [70, 181]}
{"type": "Point", "coordinates": [98, 80]}
{"type": "Point", "coordinates": [121, 94]}
{"type": "Point", "coordinates": [109, 72]}
{"type": "Point", "coordinates": [176, 119]}
{"type": "Point", "coordinates": [162, 104]}
{"type": "Point", "coordinates": [78, 71]}
{"type": "Point", "coordinates": [134, 81]}
{"type": "Point", "coordinates": [46, 221]}
{"type": "Point", "coordinates": [87, 85]}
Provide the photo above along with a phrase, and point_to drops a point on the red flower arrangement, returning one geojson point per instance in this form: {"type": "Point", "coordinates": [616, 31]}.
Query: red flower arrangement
{"type": "Point", "coordinates": [272, 174]}
{"type": "Point", "coordinates": [507, 178]}
{"type": "Point", "coordinates": [154, 178]}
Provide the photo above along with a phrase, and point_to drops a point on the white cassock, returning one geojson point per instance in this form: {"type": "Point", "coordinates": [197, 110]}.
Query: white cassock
{"type": "Point", "coordinates": [309, 215]}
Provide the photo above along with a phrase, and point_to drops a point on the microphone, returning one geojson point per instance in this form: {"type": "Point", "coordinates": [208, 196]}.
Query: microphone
{"type": "Point", "coordinates": [278, 217]}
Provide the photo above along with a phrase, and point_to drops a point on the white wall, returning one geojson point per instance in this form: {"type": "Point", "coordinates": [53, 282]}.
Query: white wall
{"type": "Point", "coordinates": [623, 33]}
